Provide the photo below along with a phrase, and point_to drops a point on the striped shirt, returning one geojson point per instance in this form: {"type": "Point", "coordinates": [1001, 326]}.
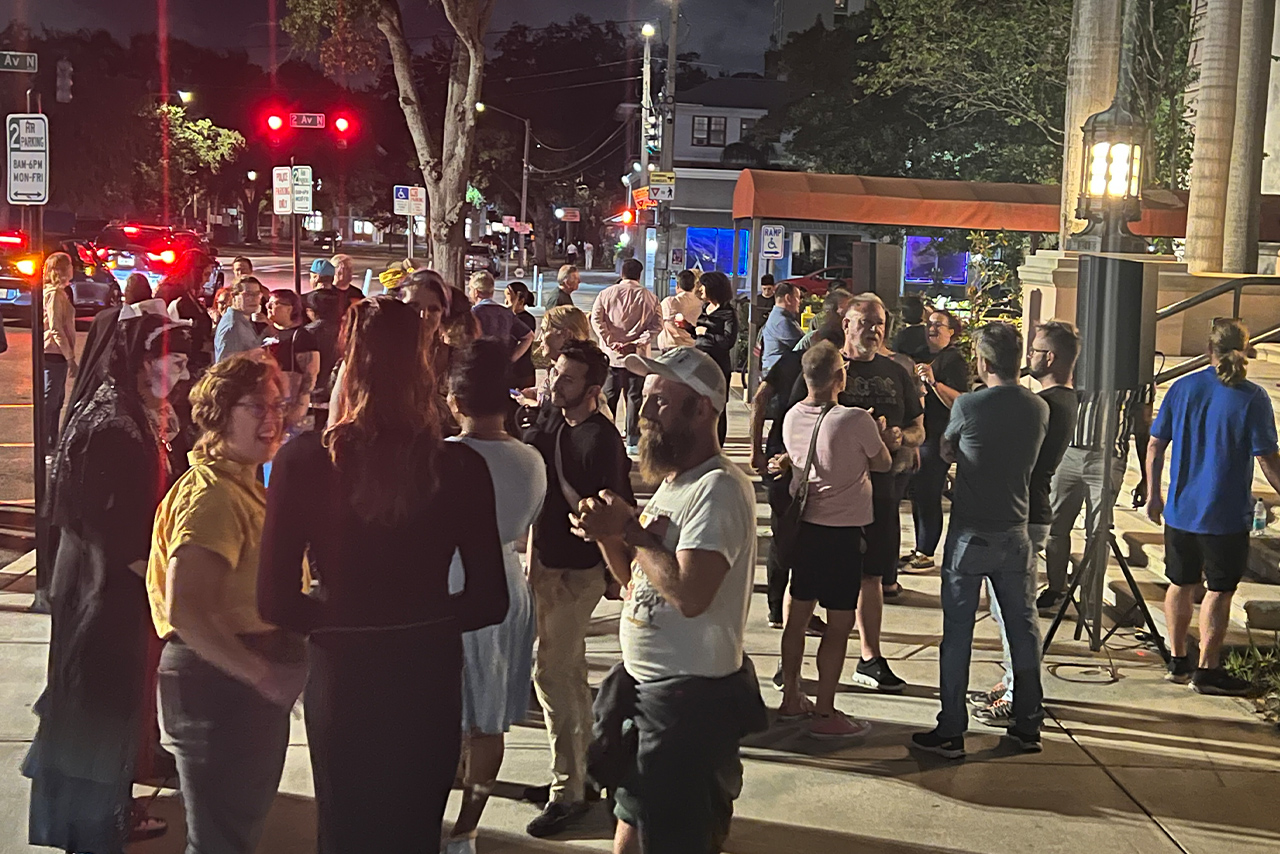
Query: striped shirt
{"type": "Point", "coordinates": [1089, 417]}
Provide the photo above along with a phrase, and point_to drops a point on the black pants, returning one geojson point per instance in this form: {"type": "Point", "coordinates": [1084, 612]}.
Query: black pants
{"type": "Point", "coordinates": [621, 381]}
{"type": "Point", "coordinates": [384, 725]}
{"type": "Point", "coordinates": [927, 485]}
{"type": "Point", "coordinates": [230, 744]}
{"type": "Point", "coordinates": [722, 426]}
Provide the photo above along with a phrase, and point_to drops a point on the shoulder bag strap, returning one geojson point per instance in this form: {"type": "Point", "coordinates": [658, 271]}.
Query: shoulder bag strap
{"type": "Point", "coordinates": [802, 488]}
{"type": "Point", "coordinates": [570, 494]}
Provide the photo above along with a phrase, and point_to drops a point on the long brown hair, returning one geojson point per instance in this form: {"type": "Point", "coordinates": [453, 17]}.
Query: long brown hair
{"type": "Point", "coordinates": [1228, 343]}
{"type": "Point", "coordinates": [388, 425]}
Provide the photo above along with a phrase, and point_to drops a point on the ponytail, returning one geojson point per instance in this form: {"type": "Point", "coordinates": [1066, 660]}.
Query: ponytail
{"type": "Point", "coordinates": [1227, 345]}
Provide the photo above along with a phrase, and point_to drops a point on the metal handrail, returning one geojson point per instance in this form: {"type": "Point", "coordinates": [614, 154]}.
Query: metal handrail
{"type": "Point", "coordinates": [1235, 286]}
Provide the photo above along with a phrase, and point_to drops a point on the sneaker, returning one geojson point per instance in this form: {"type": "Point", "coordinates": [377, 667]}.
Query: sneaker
{"type": "Point", "coordinates": [837, 726]}
{"type": "Point", "coordinates": [951, 748]}
{"type": "Point", "coordinates": [1049, 601]}
{"type": "Point", "coordinates": [907, 558]}
{"type": "Point", "coordinates": [538, 795]}
{"type": "Point", "coordinates": [997, 714]}
{"type": "Point", "coordinates": [921, 562]}
{"type": "Point", "coordinates": [1219, 683]}
{"type": "Point", "coordinates": [1180, 669]}
{"type": "Point", "coordinates": [817, 626]}
{"type": "Point", "coordinates": [465, 845]}
{"type": "Point", "coordinates": [876, 675]}
{"type": "Point", "coordinates": [1026, 743]}
{"type": "Point", "coordinates": [775, 624]}
{"type": "Point", "coordinates": [555, 818]}
{"type": "Point", "coordinates": [633, 450]}
{"type": "Point", "coordinates": [986, 698]}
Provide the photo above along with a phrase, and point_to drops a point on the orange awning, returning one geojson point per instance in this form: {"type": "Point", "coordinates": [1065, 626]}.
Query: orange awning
{"type": "Point", "coordinates": [915, 202]}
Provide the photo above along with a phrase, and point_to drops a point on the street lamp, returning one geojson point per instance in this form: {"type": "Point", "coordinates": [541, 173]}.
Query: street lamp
{"type": "Point", "coordinates": [524, 180]}
{"type": "Point", "coordinates": [646, 98]}
{"type": "Point", "coordinates": [559, 213]}
{"type": "Point", "coordinates": [186, 96]}
{"type": "Point", "coordinates": [251, 175]}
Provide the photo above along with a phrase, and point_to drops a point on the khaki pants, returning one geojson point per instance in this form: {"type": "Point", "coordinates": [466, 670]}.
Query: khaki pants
{"type": "Point", "coordinates": [564, 600]}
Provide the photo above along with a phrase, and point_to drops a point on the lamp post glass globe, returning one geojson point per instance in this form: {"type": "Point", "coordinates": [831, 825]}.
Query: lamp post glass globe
{"type": "Point", "coordinates": [636, 166]}
{"type": "Point", "coordinates": [479, 106]}
{"type": "Point", "coordinates": [648, 31]}
{"type": "Point", "coordinates": [251, 175]}
{"type": "Point", "coordinates": [185, 96]}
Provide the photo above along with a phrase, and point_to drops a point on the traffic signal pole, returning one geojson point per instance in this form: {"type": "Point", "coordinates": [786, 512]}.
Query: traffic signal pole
{"type": "Point", "coordinates": [293, 234]}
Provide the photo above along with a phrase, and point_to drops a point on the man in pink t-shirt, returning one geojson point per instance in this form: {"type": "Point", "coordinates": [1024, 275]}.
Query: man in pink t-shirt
{"type": "Point", "coordinates": [827, 560]}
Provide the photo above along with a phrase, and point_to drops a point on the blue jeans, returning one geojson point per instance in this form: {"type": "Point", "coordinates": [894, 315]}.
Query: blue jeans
{"type": "Point", "coordinates": [1038, 535]}
{"type": "Point", "coordinates": [55, 392]}
{"type": "Point", "coordinates": [1004, 559]}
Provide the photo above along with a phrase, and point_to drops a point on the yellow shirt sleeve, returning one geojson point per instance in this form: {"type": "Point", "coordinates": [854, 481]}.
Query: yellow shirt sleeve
{"type": "Point", "coordinates": [209, 519]}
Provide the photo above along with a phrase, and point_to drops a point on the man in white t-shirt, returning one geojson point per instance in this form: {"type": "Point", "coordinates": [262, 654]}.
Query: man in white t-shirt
{"type": "Point", "coordinates": [689, 561]}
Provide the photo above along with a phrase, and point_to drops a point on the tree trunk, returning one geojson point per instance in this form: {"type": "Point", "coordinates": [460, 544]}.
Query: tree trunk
{"type": "Point", "coordinates": [1215, 125]}
{"type": "Point", "coordinates": [445, 162]}
{"type": "Point", "coordinates": [1244, 182]}
{"type": "Point", "coordinates": [1092, 68]}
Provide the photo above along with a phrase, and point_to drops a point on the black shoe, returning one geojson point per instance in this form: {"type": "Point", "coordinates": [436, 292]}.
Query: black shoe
{"type": "Point", "coordinates": [1180, 669]}
{"type": "Point", "coordinates": [777, 677]}
{"type": "Point", "coordinates": [1219, 682]}
{"type": "Point", "coordinates": [1049, 601]}
{"type": "Point", "coordinates": [951, 748]}
{"type": "Point", "coordinates": [1026, 743]}
{"type": "Point", "coordinates": [537, 795]}
{"type": "Point", "coordinates": [876, 675]}
{"type": "Point", "coordinates": [555, 818]}
{"type": "Point", "coordinates": [817, 626]}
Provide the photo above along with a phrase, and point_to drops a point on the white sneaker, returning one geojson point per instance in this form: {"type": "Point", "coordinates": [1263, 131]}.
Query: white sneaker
{"type": "Point", "coordinates": [461, 846]}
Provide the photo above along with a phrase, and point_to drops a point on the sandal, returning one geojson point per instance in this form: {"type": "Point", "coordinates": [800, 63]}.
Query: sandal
{"type": "Point", "coordinates": [143, 826]}
{"type": "Point", "coordinates": [806, 710]}
{"type": "Point", "coordinates": [893, 591]}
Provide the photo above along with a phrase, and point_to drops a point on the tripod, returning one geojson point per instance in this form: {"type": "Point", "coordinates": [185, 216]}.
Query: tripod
{"type": "Point", "coordinates": [1087, 568]}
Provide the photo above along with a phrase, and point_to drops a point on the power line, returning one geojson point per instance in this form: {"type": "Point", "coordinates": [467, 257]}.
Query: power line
{"type": "Point", "coordinates": [572, 70]}
{"type": "Point", "coordinates": [576, 86]}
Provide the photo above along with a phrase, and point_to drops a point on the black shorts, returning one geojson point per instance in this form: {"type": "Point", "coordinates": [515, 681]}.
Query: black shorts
{"type": "Point", "coordinates": [884, 535]}
{"type": "Point", "coordinates": [827, 567]}
{"type": "Point", "coordinates": [1220, 558]}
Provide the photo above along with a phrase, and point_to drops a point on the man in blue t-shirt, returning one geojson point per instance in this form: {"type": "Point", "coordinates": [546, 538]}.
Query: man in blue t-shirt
{"type": "Point", "coordinates": [1216, 422]}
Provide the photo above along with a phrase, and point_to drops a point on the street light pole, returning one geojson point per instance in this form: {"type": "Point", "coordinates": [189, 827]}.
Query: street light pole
{"type": "Point", "coordinates": [646, 97]}
{"type": "Point", "coordinates": [524, 197]}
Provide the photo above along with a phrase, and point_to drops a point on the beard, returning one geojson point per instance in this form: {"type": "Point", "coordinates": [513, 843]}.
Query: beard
{"type": "Point", "coordinates": [662, 451]}
{"type": "Point", "coordinates": [1039, 372]}
{"type": "Point", "coordinates": [563, 401]}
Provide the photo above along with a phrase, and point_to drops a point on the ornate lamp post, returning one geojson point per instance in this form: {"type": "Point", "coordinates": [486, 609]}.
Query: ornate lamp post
{"type": "Point", "coordinates": [1114, 146]}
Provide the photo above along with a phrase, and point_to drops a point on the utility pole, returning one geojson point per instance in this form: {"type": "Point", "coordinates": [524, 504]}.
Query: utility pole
{"type": "Point", "coordinates": [662, 275]}
{"type": "Point", "coordinates": [646, 97]}
{"type": "Point", "coordinates": [524, 196]}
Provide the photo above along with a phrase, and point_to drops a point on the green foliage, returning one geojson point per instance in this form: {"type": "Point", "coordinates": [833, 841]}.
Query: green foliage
{"type": "Point", "coordinates": [1162, 75]}
{"type": "Point", "coordinates": [197, 151]}
{"type": "Point", "coordinates": [342, 33]}
{"type": "Point", "coordinates": [1261, 666]}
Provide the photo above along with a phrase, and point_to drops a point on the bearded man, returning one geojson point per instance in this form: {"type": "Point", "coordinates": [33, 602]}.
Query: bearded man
{"type": "Point", "coordinates": [689, 560]}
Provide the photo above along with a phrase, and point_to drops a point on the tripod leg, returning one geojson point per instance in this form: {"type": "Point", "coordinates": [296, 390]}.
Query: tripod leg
{"type": "Point", "coordinates": [1140, 602]}
{"type": "Point", "coordinates": [1066, 601]}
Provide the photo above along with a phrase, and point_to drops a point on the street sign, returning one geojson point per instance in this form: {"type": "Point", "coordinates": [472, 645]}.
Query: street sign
{"type": "Point", "coordinates": [306, 120]}
{"type": "Point", "coordinates": [417, 201]}
{"type": "Point", "coordinates": [12, 60]}
{"type": "Point", "coordinates": [572, 215]}
{"type": "Point", "coordinates": [509, 221]}
{"type": "Point", "coordinates": [282, 191]}
{"type": "Point", "coordinates": [641, 199]}
{"type": "Point", "coordinates": [771, 241]}
{"type": "Point", "coordinates": [524, 228]}
{"type": "Point", "coordinates": [677, 258]}
{"type": "Point", "coordinates": [400, 200]}
{"type": "Point", "coordinates": [662, 186]}
{"type": "Point", "coordinates": [27, 146]}
{"type": "Point", "coordinates": [302, 190]}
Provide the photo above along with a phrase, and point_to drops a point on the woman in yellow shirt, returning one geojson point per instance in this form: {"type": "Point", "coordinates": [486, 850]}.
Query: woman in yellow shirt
{"type": "Point", "coordinates": [227, 678]}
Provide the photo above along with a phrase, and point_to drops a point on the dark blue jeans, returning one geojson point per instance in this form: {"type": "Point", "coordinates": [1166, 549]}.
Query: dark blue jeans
{"type": "Point", "coordinates": [55, 392]}
{"type": "Point", "coordinates": [927, 485]}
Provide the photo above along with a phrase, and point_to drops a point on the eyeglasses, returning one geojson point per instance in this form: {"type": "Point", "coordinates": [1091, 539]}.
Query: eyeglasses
{"type": "Point", "coordinates": [260, 410]}
{"type": "Point", "coordinates": [1038, 350]}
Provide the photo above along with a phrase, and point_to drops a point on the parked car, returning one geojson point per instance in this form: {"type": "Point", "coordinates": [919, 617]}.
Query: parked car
{"type": "Point", "coordinates": [817, 282]}
{"type": "Point", "coordinates": [481, 257]}
{"type": "Point", "coordinates": [93, 287]}
{"type": "Point", "coordinates": [327, 241]}
{"type": "Point", "coordinates": [152, 250]}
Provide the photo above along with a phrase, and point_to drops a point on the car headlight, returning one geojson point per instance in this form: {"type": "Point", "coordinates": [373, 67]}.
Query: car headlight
{"type": "Point", "coordinates": [27, 266]}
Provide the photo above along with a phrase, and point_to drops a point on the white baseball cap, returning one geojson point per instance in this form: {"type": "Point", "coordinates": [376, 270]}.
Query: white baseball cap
{"type": "Point", "coordinates": [687, 366]}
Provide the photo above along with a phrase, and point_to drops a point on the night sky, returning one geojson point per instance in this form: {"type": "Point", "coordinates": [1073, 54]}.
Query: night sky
{"type": "Point", "coordinates": [731, 35]}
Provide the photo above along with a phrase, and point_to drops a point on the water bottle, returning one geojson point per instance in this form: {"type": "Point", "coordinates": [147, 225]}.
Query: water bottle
{"type": "Point", "coordinates": [1259, 519]}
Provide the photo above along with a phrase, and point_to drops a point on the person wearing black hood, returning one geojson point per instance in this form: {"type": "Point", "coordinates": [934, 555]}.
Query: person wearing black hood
{"type": "Point", "coordinates": [183, 286]}
{"type": "Point", "coordinates": [111, 468]}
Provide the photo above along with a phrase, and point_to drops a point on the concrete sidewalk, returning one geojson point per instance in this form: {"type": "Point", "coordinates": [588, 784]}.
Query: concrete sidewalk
{"type": "Point", "coordinates": [1131, 762]}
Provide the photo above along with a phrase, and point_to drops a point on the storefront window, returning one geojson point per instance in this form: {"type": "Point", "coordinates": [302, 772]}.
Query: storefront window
{"type": "Point", "coordinates": [708, 249]}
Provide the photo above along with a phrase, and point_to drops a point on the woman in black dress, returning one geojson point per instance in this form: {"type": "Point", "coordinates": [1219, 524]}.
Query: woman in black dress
{"type": "Point", "coordinates": [518, 300]}
{"type": "Point", "coordinates": [110, 471]}
{"type": "Point", "coordinates": [717, 330]}
{"type": "Point", "coordinates": [382, 504]}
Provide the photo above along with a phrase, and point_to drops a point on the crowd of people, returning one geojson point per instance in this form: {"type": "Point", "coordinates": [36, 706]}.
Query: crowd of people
{"type": "Point", "coordinates": [373, 504]}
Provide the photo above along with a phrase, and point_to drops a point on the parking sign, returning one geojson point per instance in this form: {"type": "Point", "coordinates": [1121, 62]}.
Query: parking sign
{"type": "Point", "coordinates": [400, 200]}
{"type": "Point", "coordinates": [302, 190]}
{"type": "Point", "coordinates": [771, 241]}
{"type": "Point", "coordinates": [27, 145]}
{"type": "Point", "coordinates": [417, 201]}
{"type": "Point", "coordinates": [282, 191]}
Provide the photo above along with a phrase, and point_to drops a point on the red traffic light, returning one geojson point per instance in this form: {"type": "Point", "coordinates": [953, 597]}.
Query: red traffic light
{"type": "Point", "coordinates": [341, 124]}
{"type": "Point", "coordinates": [275, 122]}
{"type": "Point", "coordinates": [627, 217]}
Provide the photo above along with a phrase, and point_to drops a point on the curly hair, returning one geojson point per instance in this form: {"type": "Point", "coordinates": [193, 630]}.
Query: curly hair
{"type": "Point", "coordinates": [223, 386]}
{"type": "Point", "coordinates": [1229, 345]}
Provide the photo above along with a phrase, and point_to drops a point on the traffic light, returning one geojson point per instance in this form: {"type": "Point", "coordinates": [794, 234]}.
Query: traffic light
{"type": "Point", "coordinates": [344, 128]}
{"type": "Point", "coordinates": [275, 122]}
{"type": "Point", "coordinates": [627, 217]}
{"type": "Point", "coordinates": [64, 81]}
{"type": "Point", "coordinates": [653, 135]}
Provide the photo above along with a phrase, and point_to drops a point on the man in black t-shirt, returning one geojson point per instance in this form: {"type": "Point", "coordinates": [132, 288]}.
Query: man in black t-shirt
{"type": "Point", "coordinates": [771, 401]}
{"type": "Point", "coordinates": [584, 454]}
{"type": "Point", "coordinates": [879, 384]}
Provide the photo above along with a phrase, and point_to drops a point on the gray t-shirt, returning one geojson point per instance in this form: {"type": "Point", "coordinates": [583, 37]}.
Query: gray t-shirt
{"type": "Point", "coordinates": [996, 433]}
